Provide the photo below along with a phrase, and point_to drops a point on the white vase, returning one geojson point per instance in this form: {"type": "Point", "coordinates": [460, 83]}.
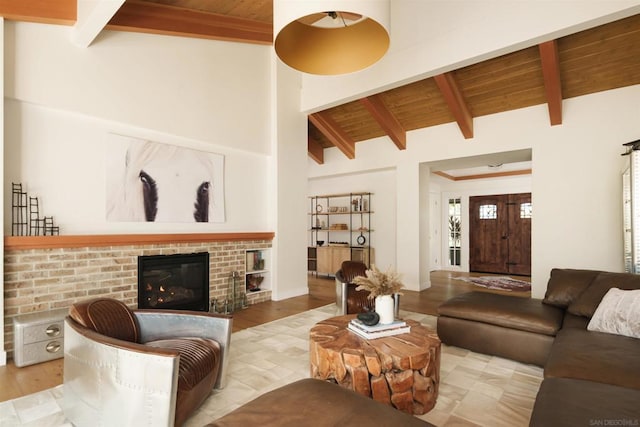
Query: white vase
{"type": "Point", "coordinates": [384, 308]}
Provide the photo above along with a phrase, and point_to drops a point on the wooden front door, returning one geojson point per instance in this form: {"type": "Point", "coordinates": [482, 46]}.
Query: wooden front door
{"type": "Point", "coordinates": [500, 234]}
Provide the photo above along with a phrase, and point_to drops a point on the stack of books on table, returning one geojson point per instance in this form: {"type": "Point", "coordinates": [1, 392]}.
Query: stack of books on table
{"type": "Point", "coordinates": [378, 331]}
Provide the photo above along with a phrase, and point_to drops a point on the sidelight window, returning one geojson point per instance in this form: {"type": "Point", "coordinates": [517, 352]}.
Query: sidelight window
{"type": "Point", "coordinates": [455, 231]}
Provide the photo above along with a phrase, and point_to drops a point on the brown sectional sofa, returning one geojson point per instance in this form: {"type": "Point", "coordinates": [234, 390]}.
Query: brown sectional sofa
{"type": "Point", "coordinates": [590, 378]}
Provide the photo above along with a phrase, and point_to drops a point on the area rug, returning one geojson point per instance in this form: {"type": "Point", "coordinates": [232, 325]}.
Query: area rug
{"type": "Point", "coordinates": [503, 283]}
{"type": "Point", "coordinates": [474, 390]}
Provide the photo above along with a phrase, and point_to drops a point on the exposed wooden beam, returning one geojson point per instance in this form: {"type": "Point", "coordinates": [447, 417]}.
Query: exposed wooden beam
{"type": "Point", "coordinates": [155, 18]}
{"type": "Point", "coordinates": [483, 175]}
{"type": "Point", "coordinates": [386, 120]}
{"type": "Point", "coordinates": [41, 11]}
{"type": "Point", "coordinates": [315, 150]}
{"type": "Point", "coordinates": [92, 18]}
{"type": "Point", "coordinates": [334, 133]}
{"type": "Point", "coordinates": [453, 97]}
{"type": "Point", "coordinates": [551, 73]}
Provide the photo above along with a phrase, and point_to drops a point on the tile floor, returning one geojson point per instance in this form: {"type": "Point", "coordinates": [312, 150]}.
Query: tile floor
{"type": "Point", "coordinates": [475, 389]}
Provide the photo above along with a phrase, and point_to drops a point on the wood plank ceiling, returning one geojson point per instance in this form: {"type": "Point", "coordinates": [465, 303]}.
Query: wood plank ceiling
{"type": "Point", "coordinates": [598, 59]}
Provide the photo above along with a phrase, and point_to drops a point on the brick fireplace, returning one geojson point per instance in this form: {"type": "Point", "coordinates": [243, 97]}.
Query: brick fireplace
{"type": "Point", "coordinates": [42, 273]}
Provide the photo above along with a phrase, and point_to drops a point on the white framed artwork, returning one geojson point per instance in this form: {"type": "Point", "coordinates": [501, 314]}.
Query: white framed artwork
{"type": "Point", "coordinates": [156, 182]}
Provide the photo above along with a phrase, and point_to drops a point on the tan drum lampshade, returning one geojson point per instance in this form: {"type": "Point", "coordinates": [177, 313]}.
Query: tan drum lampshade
{"type": "Point", "coordinates": [329, 37]}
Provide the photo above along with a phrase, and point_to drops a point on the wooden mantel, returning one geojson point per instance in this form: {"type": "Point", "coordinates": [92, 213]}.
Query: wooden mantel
{"type": "Point", "coordinates": [95, 240]}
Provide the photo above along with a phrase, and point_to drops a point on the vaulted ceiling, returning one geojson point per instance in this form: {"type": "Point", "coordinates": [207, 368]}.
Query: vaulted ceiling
{"type": "Point", "coordinates": [601, 58]}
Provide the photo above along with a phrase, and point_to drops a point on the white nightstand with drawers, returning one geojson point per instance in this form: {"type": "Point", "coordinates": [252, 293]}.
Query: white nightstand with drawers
{"type": "Point", "coordinates": [38, 337]}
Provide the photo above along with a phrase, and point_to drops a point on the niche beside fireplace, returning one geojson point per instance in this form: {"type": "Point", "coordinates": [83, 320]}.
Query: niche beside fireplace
{"type": "Point", "coordinates": [175, 282]}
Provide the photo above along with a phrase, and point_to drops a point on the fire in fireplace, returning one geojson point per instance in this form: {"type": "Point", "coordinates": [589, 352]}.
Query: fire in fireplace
{"type": "Point", "coordinates": [176, 282]}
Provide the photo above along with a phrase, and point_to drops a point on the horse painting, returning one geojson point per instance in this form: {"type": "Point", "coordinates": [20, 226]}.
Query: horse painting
{"type": "Point", "coordinates": [163, 183]}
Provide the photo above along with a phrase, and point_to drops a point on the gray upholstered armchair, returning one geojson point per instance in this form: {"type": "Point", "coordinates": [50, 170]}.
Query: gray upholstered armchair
{"type": "Point", "coordinates": [348, 299]}
{"type": "Point", "coordinates": [140, 367]}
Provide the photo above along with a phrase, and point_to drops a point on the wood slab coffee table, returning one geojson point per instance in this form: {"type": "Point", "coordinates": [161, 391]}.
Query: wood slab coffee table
{"type": "Point", "coordinates": [402, 370]}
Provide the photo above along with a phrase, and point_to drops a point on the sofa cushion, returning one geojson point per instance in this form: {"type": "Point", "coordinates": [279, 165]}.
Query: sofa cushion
{"type": "Point", "coordinates": [589, 300]}
{"type": "Point", "coordinates": [567, 403]}
{"type": "Point", "coordinates": [618, 313]}
{"type": "Point", "coordinates": [108, 317]}
{"type": "Point", "coordinates": [595, 356]}
{"type": "Point", "coordinates": [523, 314]}
{"type": "Point", "coordinates": [317, 403]}
{"type": "Point", "coordinates": [565, 285]}
{"type": "Point", "coordinates": [508, 343]}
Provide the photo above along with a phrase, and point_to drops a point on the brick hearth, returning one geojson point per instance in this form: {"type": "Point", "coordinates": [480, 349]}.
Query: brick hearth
{"type": "Point", "coordinates": [44, 273]}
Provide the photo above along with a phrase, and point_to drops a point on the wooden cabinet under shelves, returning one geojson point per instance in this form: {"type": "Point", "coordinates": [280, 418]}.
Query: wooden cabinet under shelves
{"type": "Point", "coordinates": [330, 258]}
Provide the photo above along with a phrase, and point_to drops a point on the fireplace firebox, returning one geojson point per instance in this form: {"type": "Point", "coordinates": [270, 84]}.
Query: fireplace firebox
{"type": "Point", "coordinates": [175, 282]}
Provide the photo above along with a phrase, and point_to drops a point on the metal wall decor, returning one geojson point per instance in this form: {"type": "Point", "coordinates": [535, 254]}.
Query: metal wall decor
{"type": "Point", "coordinates": [25, 215]}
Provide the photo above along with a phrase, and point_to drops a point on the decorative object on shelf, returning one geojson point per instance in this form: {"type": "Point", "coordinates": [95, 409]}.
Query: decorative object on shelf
{"type": "Point", "coordinates": [320, 242]}
{"type": "Point", "coordinates": [381, 286]}
{"type": "Point", "coordinates": [255, 262]}
{"type": "Point", "coordinates": [339, 226]}
{"type": "Point", "coordinates": [254, 281]}
{"type": "Point", "coordinates": [332, 36]}
{"type": "Point", "coordinates": [361, 240]}
{"type": "Point", "coordinates": [319, 208]}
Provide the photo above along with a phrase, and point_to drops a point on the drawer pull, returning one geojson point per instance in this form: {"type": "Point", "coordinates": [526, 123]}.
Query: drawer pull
{"type": "Point", "coordinates": [53, 347]}
{"type": "Point", "coordinates": [53, 331]}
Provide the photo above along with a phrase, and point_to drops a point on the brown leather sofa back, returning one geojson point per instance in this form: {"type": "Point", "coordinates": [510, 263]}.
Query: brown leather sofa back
{"type": "Point", "coordinates": [566, 285]}
{"type": "Point", "coordinates": [589, 300]}
{"type": "Point", "coordinates": [579, 292]}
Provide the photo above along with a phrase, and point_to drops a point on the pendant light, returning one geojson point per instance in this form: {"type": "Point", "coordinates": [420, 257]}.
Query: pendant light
{"type": "Point", "coordinates": [330, 37]}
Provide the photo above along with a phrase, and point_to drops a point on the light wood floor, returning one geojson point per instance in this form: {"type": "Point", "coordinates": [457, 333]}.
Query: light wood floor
{"type": "Point", "coordinates": [16, 382]}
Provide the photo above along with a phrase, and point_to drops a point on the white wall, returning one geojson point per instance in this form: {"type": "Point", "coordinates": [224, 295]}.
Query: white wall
{"type": "Point", "coordinates": [206, 90]}
{"type": "Point", "coordinates": [575, 183]}
{"type": "Point", "coordinates": [289, 197]}
{"type": "Point", "coordinates": [62, 101]}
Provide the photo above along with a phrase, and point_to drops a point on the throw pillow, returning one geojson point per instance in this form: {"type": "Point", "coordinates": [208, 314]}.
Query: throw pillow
{"type": "Point", "coordinates": [618, 313]}
{"type": "Point", "coordinates": [565, 285]}
{"type": "Point", "coordinates": [588, 300]}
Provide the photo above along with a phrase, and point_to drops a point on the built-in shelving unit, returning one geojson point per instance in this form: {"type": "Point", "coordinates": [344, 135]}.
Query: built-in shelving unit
{"type": "Point", "coordinates": [257, 270]}
{"type": "Point", "coordinates": [339, 230]}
